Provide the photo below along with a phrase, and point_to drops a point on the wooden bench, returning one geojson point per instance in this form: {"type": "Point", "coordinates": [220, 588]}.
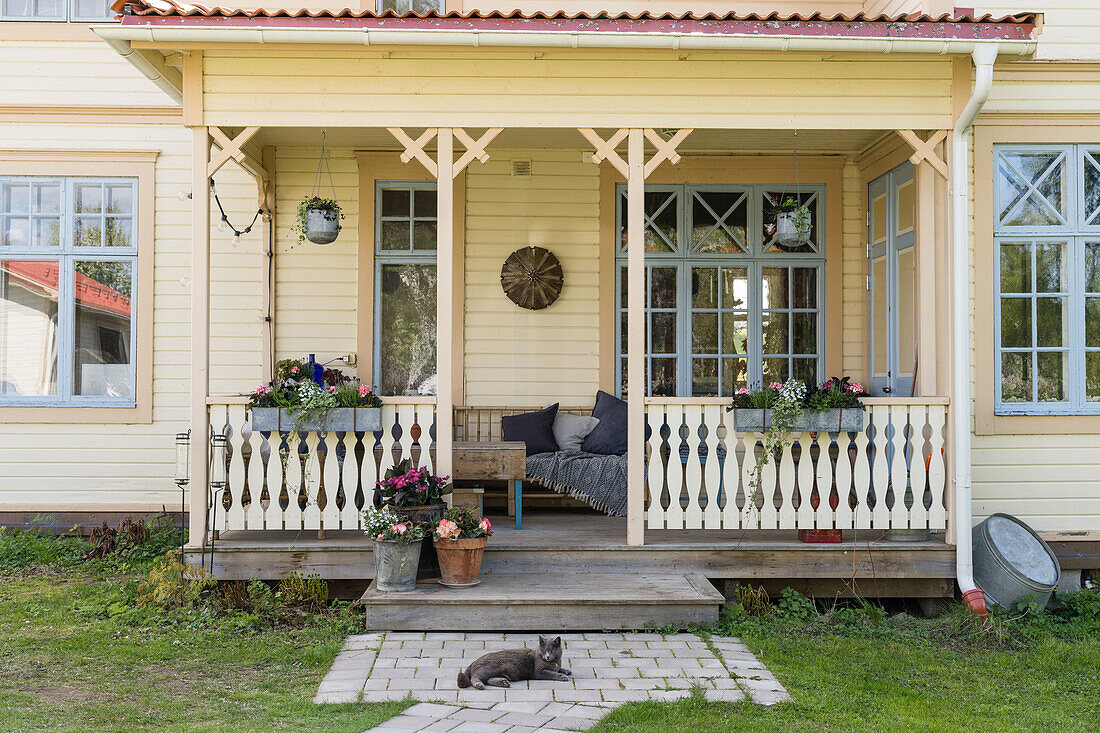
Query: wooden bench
{"type": "Point", "coordinates": [479, 449]}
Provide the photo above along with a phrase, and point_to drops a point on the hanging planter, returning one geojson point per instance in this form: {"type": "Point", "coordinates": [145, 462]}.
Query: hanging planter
{"type": "Point", "coordinates": [319, 218]}
{"type": "Point", "coordinates": [793, 225]}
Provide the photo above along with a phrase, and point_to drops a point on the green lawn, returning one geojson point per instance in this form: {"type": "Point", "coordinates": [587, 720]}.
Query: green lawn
{"type": "Point", "coordinates": [76, 655]}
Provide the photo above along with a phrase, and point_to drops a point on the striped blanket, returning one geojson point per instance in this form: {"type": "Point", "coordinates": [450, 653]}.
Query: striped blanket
{"type": "Point", "coordinates": [597, 480]}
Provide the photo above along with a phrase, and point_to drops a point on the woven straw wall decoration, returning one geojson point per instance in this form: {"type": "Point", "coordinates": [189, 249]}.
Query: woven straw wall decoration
{"type": "Point", "coordinates": [532, 278]}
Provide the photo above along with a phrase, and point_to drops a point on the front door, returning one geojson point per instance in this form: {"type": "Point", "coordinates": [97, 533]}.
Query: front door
{"type": "Point", "coordinates": [892, 283]}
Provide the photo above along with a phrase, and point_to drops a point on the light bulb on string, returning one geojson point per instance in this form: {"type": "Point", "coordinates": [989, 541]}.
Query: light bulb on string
{"type": "Point", "coordinates": [236, 239]}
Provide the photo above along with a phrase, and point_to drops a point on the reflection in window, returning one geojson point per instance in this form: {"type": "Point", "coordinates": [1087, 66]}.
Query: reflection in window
{"type": "Point", "coordinates": [69, 249]}
{"type": "Point", "coordinates": [72, 10]}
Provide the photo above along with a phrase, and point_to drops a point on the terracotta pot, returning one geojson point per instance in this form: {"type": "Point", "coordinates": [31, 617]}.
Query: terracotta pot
{"type": "Point", "coordinates": [424, 513]}
{"type": "Point", "coordinates": [460, 560]}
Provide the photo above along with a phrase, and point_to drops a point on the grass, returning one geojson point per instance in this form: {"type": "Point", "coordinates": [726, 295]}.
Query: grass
{"type": "Point", "coordinates": [76, 654]}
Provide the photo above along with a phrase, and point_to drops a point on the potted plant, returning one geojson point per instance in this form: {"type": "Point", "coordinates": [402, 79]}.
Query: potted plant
{"type": "Point", "coordinates": [397, 548]}
{"type": "Point", "coordinates": [305, 396]}
{"type": "Point", "coordinates": [416, 496]}
{"type": "Point", "coordinates": [793, 223]}
{"type": "Point", "coordinates": [318, 220]}
{"type": "Point", "coordinates": [459, 541]}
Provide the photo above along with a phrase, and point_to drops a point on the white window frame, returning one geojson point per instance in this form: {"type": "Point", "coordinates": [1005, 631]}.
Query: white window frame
{"type": "Point", "coordinates": [1076, 234]}
{"type": "Point", "coordinates": [756, 259]}
{"type": "Point", "coordinates": [70, 15]}
{"type": "Point", "coordinates": [395, 257]}
{"type": "Point", "coordinates": [66, 255]}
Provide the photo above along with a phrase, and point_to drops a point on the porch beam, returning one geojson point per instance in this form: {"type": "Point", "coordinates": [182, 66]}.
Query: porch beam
{"type": "Point", "coordinates": [267, 358]}
{"type": "Point", "coordinates": [444, 310]}
{"type": "Point", "coordinates": [927, 203]}
{"type": "Point", "coordinates": [200, 333]}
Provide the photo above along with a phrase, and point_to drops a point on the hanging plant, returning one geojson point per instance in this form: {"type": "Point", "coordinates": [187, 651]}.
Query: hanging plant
{"type": "Point", "coordinates": [319, 218]}
{"type": "Point", "coordinates": [793, 223]}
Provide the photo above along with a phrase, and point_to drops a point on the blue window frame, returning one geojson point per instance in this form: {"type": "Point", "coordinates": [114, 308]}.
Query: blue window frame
{"type": "Point", "coordinates": [727, 305]}
{"type": "Point", "coordinates": [1047, 310]}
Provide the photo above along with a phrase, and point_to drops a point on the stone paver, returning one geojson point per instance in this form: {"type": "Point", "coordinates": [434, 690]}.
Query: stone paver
{"type": "Point", "coordinates": [609, 670]}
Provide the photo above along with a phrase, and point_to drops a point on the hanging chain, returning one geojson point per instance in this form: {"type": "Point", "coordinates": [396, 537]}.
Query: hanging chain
{"type": "Point", "coordinates": [322, 163]}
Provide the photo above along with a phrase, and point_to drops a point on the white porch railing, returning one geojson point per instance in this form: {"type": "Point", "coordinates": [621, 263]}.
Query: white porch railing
{"type": "Point", "coordinates": [311, 480]}
{"type": "Point", "coordinates": [892, 475]}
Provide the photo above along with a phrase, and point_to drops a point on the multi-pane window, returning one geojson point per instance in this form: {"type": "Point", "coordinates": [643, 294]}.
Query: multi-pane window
{"type": "Point", "coordinates": [727, 305]}
{"type": "Point", "coordinates": [1047, 238]}
{"type": "Point", "coordinates": [68, 259]}
{"type": "Point", "coordinates": [405, 287]}
{"type": "Point", "coordinates": [58, 10]}
{"type": "Point", "coordinates": [401, 7]}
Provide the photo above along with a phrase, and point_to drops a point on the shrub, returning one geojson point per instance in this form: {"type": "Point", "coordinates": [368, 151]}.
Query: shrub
{"type": "Point", "coordinates": [793, 606]}
{"type": "Point", "coordinates": [172, 583]}
{"type": "Point", "coordinates": [310, 591]}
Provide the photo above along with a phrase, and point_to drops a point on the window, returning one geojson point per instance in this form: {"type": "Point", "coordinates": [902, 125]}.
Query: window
{"type": "Point", "coordinates": [419, 7]}
{"type": "Point", "coordinates": [727, 305]}
{"type": "Point", "coordinates": [68, 259]}
{"type": "Point", "coordinates": [58, 10]}
{"type": "Point", "coordinates": [1047, 238]}
{"type": "Point", "coordinates": [405, 286]}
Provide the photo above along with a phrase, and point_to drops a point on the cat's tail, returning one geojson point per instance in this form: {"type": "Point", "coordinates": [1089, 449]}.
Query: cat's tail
{"type": "Point", "coordinates": [463, 678]}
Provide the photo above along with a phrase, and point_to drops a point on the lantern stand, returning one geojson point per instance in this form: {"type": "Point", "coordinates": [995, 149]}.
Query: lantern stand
{"type": "Point", "coordinates": [183, 479]}
{"type": "Point", "coordinates": [217, 485]}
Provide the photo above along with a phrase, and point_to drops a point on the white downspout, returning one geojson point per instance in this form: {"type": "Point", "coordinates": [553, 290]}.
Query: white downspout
{"type": "Point", "coordinates": [984, 57]}
{"type": "Point", "coordinates": [123, 48]}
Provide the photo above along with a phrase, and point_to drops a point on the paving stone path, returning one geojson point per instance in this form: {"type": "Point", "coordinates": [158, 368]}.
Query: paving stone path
{"type": "Point", "coordinates": [608, 670]}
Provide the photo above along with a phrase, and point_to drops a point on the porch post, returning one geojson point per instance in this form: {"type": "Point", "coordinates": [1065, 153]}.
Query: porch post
{"type": "Point", "coordinates": [200, 333]}
{"type": "Point", "coordinates": [635, 338]}
{"type": "Point", "coordinates": [444, 311]}
{"type": "Point", "coordinates": [927, 305]}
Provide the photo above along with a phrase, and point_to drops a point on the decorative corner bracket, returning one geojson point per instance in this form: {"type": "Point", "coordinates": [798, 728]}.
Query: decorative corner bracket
{"type": "Point", "coordinates": [925, 150]}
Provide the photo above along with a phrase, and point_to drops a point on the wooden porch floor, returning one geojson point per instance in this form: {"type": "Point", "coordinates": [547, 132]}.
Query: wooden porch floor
{"type": "Point", "coordinates": [590, 543]}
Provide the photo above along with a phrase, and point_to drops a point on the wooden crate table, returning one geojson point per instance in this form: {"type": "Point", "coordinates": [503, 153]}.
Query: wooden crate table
{"type": "Point", "coordinates": [502, 461]}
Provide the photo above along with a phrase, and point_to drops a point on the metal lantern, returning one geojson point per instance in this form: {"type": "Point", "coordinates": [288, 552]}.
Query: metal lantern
{"type": "Point", "coordinates": [218, 455]}
{"type": "Point", "coordinates": [183, 459]}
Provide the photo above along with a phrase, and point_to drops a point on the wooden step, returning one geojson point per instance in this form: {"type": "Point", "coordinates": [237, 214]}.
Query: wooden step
{"type": "Point", "coordinates": [547, 602]}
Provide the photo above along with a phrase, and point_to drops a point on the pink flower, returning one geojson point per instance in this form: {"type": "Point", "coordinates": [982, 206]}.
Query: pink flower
{"type": "Point", "coordinates": [400, 528]}
{"type": "Point", "coordinates": [294, 370]}
{"type": "Point", "coordinates": [263, 389]}
{"type": "Point", "coordinates": [447, 529]}
{"type": "Point", "coordinates": [332, 389]}
{"type": "Point", "coordinates": [364, 390]}
{"type": "Point", "coordinates": [776, 386]}
{"type": "Point", "coordinates": [381, 537]}
{"type": "Point", "coordinates": [486, 526]}
{"type": "Point", "coordinates": [743, 390]}
{"type": "Point", "coordinates": [857, 387]}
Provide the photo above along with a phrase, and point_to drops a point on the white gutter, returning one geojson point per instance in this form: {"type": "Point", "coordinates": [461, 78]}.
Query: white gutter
{"type": "Point", "coordinates": [201, 35]}
{"type": "Point", "coordinates": [984, 57]}
{"type": "Point", "coordinates": [123, 48]}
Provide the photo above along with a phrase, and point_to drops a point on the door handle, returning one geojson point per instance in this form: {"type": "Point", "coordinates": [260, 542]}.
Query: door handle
{"type": "Point", "coordinates": [886, 390]}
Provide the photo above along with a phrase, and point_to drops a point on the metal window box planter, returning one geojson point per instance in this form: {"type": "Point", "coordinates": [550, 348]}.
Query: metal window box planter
{"type": "Point", "coordinates": [836, 420]}
{"type": "Point", "coordinates": [271, 419]}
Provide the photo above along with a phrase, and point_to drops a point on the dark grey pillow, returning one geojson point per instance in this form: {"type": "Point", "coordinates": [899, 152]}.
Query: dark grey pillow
{"type": "Point", "coordinates": [536, 429]}
{"type": "Point", "coordinates": [571, 430]}
{"type": "Point", "coordinates": [609, 436]}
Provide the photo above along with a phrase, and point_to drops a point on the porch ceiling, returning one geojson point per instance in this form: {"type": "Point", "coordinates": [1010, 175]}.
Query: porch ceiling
{"type": "Point", "coordinates": [700, 141]}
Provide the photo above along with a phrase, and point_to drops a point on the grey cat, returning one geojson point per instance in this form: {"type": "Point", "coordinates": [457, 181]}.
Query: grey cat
{"type": "Point", "coordinates": [497, 669]}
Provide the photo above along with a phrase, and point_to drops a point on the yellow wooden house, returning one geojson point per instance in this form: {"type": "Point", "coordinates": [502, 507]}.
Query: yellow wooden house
{"type": "Point", "coordinates": [154, 154]}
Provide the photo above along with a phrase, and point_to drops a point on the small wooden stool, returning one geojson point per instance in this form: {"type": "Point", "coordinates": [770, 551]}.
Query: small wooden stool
{"type": "Point", "coordinates": [504, 461]}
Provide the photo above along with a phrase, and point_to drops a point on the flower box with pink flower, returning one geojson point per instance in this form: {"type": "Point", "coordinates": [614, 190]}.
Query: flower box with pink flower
{"type": "Point", "coordinates": [305, 396]}
{"type": "Point", "coordinates": [831, 408]}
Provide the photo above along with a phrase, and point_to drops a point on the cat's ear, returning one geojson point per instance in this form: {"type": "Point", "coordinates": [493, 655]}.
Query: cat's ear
{"type": "Point", "coordinates": [557, 641]}
{"type": "Point", "coordinates": [542, 641]}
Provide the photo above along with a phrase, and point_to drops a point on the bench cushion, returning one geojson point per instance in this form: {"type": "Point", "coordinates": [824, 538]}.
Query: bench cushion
{"type": "Point", "coordinates": [571, 430]}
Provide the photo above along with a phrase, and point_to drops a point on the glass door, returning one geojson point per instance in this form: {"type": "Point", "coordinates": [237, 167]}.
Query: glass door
{"type": "Point", "coordinates": [891, 218]}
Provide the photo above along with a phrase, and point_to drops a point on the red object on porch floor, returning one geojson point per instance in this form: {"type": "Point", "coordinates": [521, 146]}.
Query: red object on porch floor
{"type": "Point", "coordinates": [820, 536]}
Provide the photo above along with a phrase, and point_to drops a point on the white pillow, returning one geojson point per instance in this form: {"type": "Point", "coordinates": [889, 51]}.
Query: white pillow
{"type": "Point", "coordinates": [571, 430]}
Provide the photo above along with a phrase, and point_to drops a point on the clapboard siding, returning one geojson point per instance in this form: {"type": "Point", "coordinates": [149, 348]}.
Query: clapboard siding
{"type": "Point", "coordinates": [1070, 27]}
{"type": "Point", "coordinates": [567, 88]}
{"type": "Point", "coordinates": [87, 72]}
{"type": "Point", "coordinates": [81, 465]}
{"type": "Point", "coordinates": [517, 356]}
{"type": "Point", "coordinates": [854, 265]}
{"type": "Point", "coordinates": [1036, 87]}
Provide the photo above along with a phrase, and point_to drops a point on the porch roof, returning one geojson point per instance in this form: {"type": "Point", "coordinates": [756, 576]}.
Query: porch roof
{"type": "Point", "coordinates": [1015, 27]}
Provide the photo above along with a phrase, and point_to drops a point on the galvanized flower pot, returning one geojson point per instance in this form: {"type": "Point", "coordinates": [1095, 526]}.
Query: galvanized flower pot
{"type": "Point", "coordinates": [368, 419]}
{"type": "Point", "coordinates": [395, 565]}
{"type": "Point", "coordinates": [787, 231]}
{"type": "Point", "coordinates": [424, 514]}
{"type": "Point", "coordinates": [808, 421]}
{"type": "Point", "coordinates": [265, 419]}
{"type": "Point", "coordinates": [460, 560]}
{"type": "Point", "coordinates": [339, 418]}
{"type": "Point", "coordinates": [322, 226]}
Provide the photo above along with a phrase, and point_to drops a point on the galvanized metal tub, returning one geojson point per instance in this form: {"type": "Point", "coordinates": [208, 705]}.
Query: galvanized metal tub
{"type": "Point", "coordinates": [1012, 563]}
{"type": "Point", "coordinates": [322, 226]}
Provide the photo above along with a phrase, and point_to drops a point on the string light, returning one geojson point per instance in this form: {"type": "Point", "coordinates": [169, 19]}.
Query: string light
{"type": "Point", "coordinates": [225, 225]}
